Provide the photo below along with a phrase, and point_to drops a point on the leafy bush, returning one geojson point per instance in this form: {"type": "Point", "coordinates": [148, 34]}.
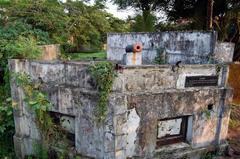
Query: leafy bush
{"type": "Point", "coordinates": [104, 75]}
{"type": "Point", "coordinates": [16, 40]}
{"type": "Point", "coordinates": [6, 126]}
{"type": "Point", "coordinates": [23, 48]}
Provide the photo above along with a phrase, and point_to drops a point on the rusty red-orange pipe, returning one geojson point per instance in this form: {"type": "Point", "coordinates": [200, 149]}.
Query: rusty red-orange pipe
{"type": "Point", "coordinates": [137, 47]}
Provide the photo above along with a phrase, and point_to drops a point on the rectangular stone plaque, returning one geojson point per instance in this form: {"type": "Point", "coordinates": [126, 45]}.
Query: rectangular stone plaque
{"type": "Point", "coordinates": [201, 81]}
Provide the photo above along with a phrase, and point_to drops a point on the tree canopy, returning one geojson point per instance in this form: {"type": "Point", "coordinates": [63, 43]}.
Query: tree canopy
{"type": "Point", "coordinates": [76, 20]}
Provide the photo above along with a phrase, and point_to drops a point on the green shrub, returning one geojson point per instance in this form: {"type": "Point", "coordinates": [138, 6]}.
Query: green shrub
{"type": "Point", "coordinates": [104, 75]}
{"type": "Point", "coordinates": [23, 47]}
{"type": "Point", "coordinates": [17, 40]}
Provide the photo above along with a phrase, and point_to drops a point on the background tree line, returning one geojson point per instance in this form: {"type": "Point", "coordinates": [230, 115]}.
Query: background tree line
{"type": "Point", "coordinates": [187, 15]}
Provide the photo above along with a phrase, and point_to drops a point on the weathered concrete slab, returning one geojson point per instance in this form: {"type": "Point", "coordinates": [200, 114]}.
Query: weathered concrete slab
{"type": "Point", "coordinates": [223, 52]}
{"type": "Point", "coordinates": [188, 47]}
{"type": "Point", "coordinates": [50, 52]}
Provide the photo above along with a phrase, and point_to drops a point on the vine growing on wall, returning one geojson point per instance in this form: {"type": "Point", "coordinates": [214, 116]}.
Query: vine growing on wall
{"type": "Point", "coordinates": [35, 99]}
{"type": "Point", "coordinates": [160, 57]}
{"type": "Point", "coordinates": [39, 103]}
{"type": "Point", "coordinates": [104, 75]}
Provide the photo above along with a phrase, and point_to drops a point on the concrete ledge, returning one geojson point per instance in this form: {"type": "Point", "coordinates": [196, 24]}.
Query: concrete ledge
{"type": "Point", "coordinates": [185, 151]}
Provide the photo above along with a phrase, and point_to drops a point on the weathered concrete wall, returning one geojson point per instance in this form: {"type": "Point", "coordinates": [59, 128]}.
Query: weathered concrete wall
{"type": "Point", "coordinates": [188, 47]}
{"type": "Point", "coordinates": [50, 52]}
{"type": "Point", "coordinates": [224, 51]}
{"type": "Point", "coordinates": [140, 97]}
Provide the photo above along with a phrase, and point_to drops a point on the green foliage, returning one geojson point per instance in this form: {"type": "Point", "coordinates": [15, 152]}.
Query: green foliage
{"type": "Point", "coordinates": [160, 58]}
{"type": "Point", "coordinates": [41, 152]}
{"type": "Point", "coordinates": [25, 24]}
{"type": "Point", "coordinates": [6, 126]}
{"type": "Point", "coordinates": [52, 135]}
{"type": "Point", "coordinates": [169, 26]}
{"type": "Point", "coordinates": [74, 22]}
{"type": "Point", "coordinates": [88, 25]}
{"type": "Point", "coordinates": [104, 75]}
{"type": "Point", "coordinates": [16, 40]}
{"type": "Point", "coordinates": [20, 40]}
{"type": "Point", "coordinates": [23, 48]}
{"type": "Point", "coordinates": [88, 56]}
{"type": "Point", "coordinates": [46, 15]}
{"type": "Point", "coordinates": [144, 23]}
{"type": "Point", "coordinates": [207, 113]}
{"type": "Point", "coordinates": [150, 5]}
{"type": "Point", "coordinates": [35, 99]}
{"type": "Point", "coordinates": [211, 155]}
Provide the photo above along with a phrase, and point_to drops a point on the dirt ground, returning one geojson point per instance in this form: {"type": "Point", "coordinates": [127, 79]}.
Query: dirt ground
{"type": "Point", "coordinates": [234, 133]}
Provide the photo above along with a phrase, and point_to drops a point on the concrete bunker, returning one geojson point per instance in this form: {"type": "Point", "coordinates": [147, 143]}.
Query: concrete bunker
{"type": "Point", "coordinates": [170, 110]}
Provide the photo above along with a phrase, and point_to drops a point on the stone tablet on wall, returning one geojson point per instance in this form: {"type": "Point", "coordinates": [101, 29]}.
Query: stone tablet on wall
{"type": "Point", "coordinates": [201, 81]}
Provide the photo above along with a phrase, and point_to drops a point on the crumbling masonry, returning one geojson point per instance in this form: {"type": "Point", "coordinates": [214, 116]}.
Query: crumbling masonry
{"type": "Point", "coordinates": [154, 111]}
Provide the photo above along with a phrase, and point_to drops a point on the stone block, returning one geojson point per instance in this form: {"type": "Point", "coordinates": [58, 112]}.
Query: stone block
{"type": "Point", "coordinates": [145, 80]}
{"type": "Point", "coordinates": [76, 75]}
{"type": "Point", "coordinates": [120, 154]}
{"type": "Point", "coordinates": [120, 124]}
{"type": "Point", "coordinates": [50, 52]}
{"type": "Point", "coordinates": [52, 94]}
{"type": "Point", "coordinates": [22, 126]}
{"type": "Point", "coordinates": [109, 142]}
{"type": "Point", "coordinates": [65, 101]}
{"type": "Point", "coordinates": [89, 139]}
{"type": "Point", "coordinates": [223, 52]}
{"type": "Point", "coordinates": [109, 155]}
{"type": "Point", "coordinates": [224, 127]}
{"type": "Point", "coordinates": [52, 73]}
{"type": "Point", "coordinates": [132, 59]}
{"type": "Point", "coordinates": [118, 84]}
{"type": "Point", "coordinates": [120, 142]}
{"type": "Point", "coordinates": [118, 103]}
{"type": "Point", "coordinates": [23, 146]}
{"type": "Point", "coordinates": [204, 130]}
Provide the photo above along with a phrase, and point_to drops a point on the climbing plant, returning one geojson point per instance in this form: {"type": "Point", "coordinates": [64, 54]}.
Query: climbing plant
{"type": "Point", "coordinates": [38, 101]}
{"type": "Point", "coordinates": [104, 75]}
{"type": "Point", "coordinates": [160, 58]}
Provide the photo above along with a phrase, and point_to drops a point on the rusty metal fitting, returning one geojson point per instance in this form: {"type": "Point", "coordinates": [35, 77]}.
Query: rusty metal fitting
{"type": "Point", "coordinates": [134, 48]}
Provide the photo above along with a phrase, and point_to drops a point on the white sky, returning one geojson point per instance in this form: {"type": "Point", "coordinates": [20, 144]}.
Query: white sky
{"type": "Point", "coordinates": [123, 14]}
{"type": "Point", "coordinates": [111, 8]}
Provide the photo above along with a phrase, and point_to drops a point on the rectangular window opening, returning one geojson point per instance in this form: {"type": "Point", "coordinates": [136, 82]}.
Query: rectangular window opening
{"type": "Point", "coordinates": [172, 130]}
{"type": "Point", "coordinates": [67, 125]}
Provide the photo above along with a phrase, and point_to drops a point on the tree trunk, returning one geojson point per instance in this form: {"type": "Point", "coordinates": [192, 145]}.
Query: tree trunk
{"type": "Point", "coordinates": [210, 14]}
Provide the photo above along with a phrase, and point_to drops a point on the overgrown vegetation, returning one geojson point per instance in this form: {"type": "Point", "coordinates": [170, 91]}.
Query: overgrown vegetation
{"type": "Point", "coordinates": [51, 133]}
{"type": "Point", "coordinates": [160, 58]}
{"type": "Point", "coordinates": [104, 75]}
{"type": "Point", "coordinates": [235, 116]}
{"type": "Point", "coordinates": [25, 24]}
{"type": "Point", "coordinates": [212, 155]}
{"type": "Point", "coordinates": [6, 125]}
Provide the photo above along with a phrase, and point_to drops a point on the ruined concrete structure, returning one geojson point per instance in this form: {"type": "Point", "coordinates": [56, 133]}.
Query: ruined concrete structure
{"type": "Point", "coordinates": [154, 111]}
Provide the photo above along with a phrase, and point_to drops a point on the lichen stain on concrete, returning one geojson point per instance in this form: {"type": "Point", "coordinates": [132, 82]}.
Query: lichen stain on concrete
{"type": "Point", "coordinates": [132, 126]}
